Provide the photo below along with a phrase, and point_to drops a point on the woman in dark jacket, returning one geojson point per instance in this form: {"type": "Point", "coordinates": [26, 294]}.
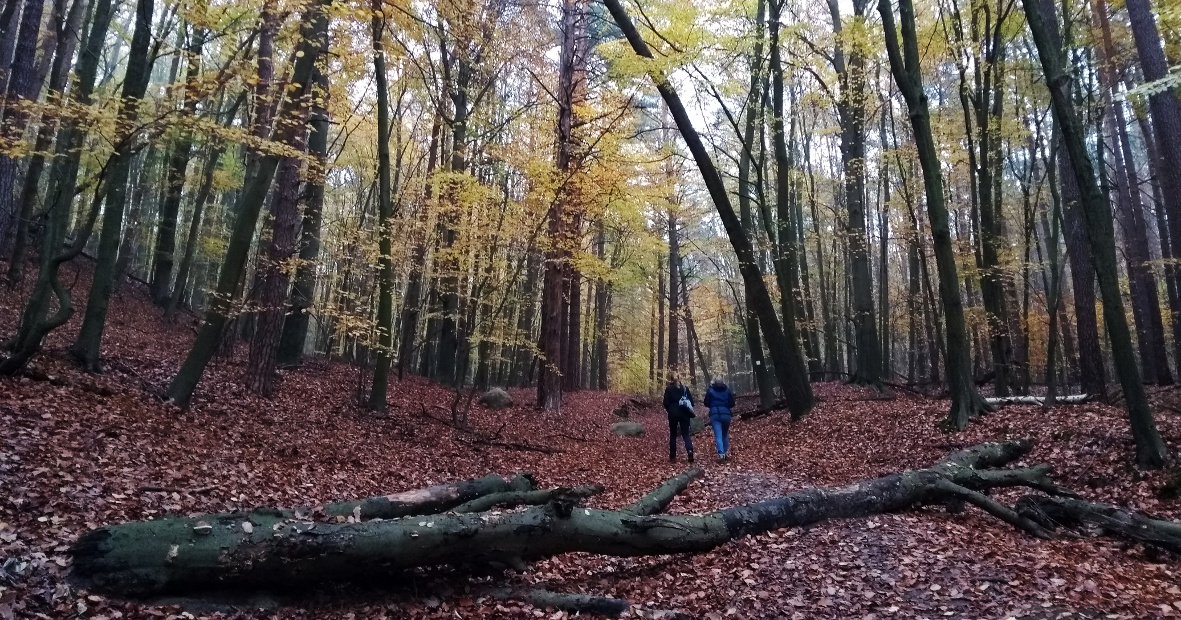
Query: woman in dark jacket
{"type": "Point", "coordinates": [720, 401]}
{"type": "Point", "coordinates": [678, 416]}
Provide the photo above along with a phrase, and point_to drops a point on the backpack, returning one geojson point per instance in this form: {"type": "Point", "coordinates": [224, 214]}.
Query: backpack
{"type": "Point", "coordinates": [687, 404]}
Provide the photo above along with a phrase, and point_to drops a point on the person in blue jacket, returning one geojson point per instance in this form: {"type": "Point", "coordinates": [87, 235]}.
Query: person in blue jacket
{"type": "Point", "coordinates": [720, 401]}
{"type": "Point", "coordinates": [678, 416]}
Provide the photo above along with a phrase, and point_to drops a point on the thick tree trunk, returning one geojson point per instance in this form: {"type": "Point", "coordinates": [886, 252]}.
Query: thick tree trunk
{"type": "Point", "coordinates": [270, 547]}
{"type": "Point", "coordinates": [271, 276]}
{"type": "Point", "coordinates": [1165, 109]}
{"type": "Point", "coordinates": [851, 109]}
{"type": "Point", "coordinates": [1145, 297]}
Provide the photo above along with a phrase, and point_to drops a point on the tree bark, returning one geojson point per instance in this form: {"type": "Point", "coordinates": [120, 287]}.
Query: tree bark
{"type": "Point", "coordinates": [385, 213]}
{"type": "Point", "coordinates": [1145, 297]}
{"type": "Point", "coordinates": [178, 164]}
{"type": "Point", "coordinates": [66, 40]}
{"type": "Point", "coordinates": [22, 87]}
{"type": "Point", "coordinates": [303, 293]}
{"type": "Point", "coordinates": [86, 348]}
{"type": "Point", "coordinates": [36, 322]}
{"type": "Point", "coordinates": [851, 110]}
{"type": "Point", "coordinates": [1165, 110]}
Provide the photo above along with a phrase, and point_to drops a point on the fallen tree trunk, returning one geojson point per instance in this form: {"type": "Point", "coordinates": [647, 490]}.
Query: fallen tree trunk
{"type": "Point", "coordinates": [274, 549]}
{"type": "Point", "coordinates": [430, 500]}
{"type": "Point", "coordinates": [1074, 399]}
{"type": "Point", "coordinates": [1076, 513]}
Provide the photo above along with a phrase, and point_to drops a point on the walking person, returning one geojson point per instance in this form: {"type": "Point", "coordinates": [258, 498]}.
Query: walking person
{"type": "Point", "coordinates": [678, 403]}
{"type": "Point", "coordinates": [720, 401]}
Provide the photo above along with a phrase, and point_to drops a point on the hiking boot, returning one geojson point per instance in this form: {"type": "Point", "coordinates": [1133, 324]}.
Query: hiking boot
{"type": "Point", "coordinates": [690, 457]}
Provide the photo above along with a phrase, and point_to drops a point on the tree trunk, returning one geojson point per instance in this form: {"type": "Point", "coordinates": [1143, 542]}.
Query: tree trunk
{"type": "Point", "coordinates": [249, 204]}
{"type": "Point", "coordinates": [1145, 301]}
{"type": "Point", "coordinates": [674, 296]}
{"type": "Point", "coordinates": [1150, 448]}
{"type": "Point", "coordinates": [69, 26]}
{"type": "Point", "coordinates": [754, 102]}
{"type": "Point", "coordinates": [270, 547]}
{"type": "Point", "coordinates": [303, 293]}
{"type": "Point", "coordinates": [782, 338]}
{"type": "Point", "coordinates": [965, 400]}
{"type": "Point", "coordinates": [85, 349]}
{"type": "Point", "coordinates": [851, 110]}
{"type": "Point", "coordinates": [22, 87]}
{"type": "Point", "coordinates": [178, 164]}
{"type": "Point", "coordinates": [411, 301]}
{"type": "Point", "coordinates": [1166, 124]}
{"type": "Point", "coordinates": [36, 322]}
{"type": "Point", "coordinates": [385, 214]}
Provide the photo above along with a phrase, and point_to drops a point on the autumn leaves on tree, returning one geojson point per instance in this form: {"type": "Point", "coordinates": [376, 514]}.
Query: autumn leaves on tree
{"type": "Point", "coordinates": [588, 195]}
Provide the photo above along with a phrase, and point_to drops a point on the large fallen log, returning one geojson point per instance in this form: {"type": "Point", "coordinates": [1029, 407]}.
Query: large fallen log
{"type": "Point", "coordinates": [271, 548]}
{"type": "Point", "coordinates": [1073, 399]}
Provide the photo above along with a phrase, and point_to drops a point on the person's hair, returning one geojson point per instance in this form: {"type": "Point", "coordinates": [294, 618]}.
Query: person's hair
{"type": "Point", "coordinates": [719, 379]}
{"type": "Point", "coordinates": [673, 378]}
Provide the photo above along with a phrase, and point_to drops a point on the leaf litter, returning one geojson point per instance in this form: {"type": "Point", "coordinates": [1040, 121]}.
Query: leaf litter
{"type": "Point", "coordinates": [79, 451]}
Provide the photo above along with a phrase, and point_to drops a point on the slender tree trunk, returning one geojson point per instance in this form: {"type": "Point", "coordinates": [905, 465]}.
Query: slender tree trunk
{"type": "Point", "coordinates": [135, 83]}
{"type": "Point", "coordinates": [1150, 448]}
{"type": "Point", "coordinates": [782, 338]}
{"type": "Point", "coordinates": [411, 301]}
{"type": "Point", "coordinates": [66, 39]}
{"type": "Point", "coordinates": [1165, 109]}
{"type": "Point", "coordinates": [22, 87]}
{"type": "Point", "coordinates": [1145, 300]}
{"type": "Point", "coordinates": [674, 295]}
{"type": "Point", "coordinates": [178, 164]}
{"type": "Point", "coordinates": [905, 66]}
{"type": "Point", "coordinates": [249, 204]}
{"type": "Point", "coordinates": [754, 341]}
{"type": "Point", "coordinates": [385, 213]}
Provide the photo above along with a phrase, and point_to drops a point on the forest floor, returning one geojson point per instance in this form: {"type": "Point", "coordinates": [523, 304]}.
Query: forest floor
{"type": "Point", "coordinates": [79, 450]}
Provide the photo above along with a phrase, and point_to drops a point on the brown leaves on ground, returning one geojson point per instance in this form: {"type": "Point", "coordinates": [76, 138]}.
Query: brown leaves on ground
{"type": "Point", "coordinates": [77, 451]}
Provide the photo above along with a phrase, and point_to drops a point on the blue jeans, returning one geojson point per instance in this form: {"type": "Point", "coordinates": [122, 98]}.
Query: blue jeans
{"type": "Point", "coordinates": [682, 426]}
{"type": "Point", "coordinates": [721, 426]}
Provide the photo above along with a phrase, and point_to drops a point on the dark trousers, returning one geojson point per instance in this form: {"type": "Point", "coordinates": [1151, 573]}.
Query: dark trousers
{"type": "Point", "coordinates": [679, 425]}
